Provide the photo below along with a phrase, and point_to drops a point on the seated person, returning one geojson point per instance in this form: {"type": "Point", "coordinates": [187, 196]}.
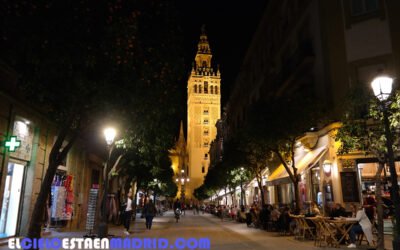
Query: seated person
{"type": "Point", "coordinates": [338, 211]}
{"type": "Point", "coordinates": [369, 205]}
{"type": "Point", "coordinates": [275, 214]}
{"type": "Point", "coordinates": [363, 225]}
{"type": "Point", "coordinates": [241, 214]}
{"type": "Point", "coordinates": [284, 221]}
{"type": "Point", "coordinates": [313, 210]}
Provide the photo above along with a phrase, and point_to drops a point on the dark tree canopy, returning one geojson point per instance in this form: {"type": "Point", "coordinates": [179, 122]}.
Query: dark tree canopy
{"type": "Point", "coordinates": [87, 62]}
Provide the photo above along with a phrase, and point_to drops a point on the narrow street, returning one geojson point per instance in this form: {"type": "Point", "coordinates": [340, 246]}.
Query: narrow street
{"type": "Point", "coordinates": [223, 235]}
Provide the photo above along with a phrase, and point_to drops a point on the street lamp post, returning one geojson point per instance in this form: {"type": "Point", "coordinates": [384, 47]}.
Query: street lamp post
{"type": "Point", "coordinates": [109, 135]}
{"type": "Point", "coordinates": [382, 87]}
{"type": "Point", "coordinates": [241, 186]}
{"type": "Point", "coordinates": [157, 185]}
{"type": "Point", "coordinates": [183, 179]}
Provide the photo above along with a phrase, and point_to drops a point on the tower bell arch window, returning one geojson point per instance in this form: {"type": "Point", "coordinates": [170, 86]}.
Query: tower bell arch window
{"type": "Point", "coordinates": [195, 88]}
{"type": "Point", "coordinates": [212, 89]}
{"type": "Point", "coordinates": [200, 88]}
{"type": "Point", "coordinates": [205, 87]}
{"type": "Point", "coordinates": [216, 90]}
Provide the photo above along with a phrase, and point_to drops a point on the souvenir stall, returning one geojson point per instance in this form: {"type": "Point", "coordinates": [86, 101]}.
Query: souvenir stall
{"type": "Point", "coordinates": [62, 199]}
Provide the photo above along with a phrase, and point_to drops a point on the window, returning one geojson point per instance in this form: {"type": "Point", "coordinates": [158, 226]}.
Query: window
{"type": "Point", "coordinates": [205, 121]}
{"type": "Point", "coordinates": [206, 144]}
{"type": "Point", "coordinates": [195, 88]}
{"type": "Point", "coordinates": [361, 7]}
{"type": "Point", "coordinates": [203, 170]}
{"type": "Point", "coordinates": [212, 89]}
{"type": "Point", "coordinates": [205, 111]}
{"type": "Point", "coordinates": [206, 132]}
{"type": "Point", "coordinates": [200, 89]}
{"type": "Point", "coordinates": [216, 90]}
{"type": "Point", "coordinates": [205, 156]}
{"type": "Point", "coordinates": [315, 180]}
{"type": "Point", "coordinates": [205, 87]}
{"type": "Point", "coordinates": [361, 10]}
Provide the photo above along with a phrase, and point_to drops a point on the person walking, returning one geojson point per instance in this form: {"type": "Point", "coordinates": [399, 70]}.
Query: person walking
{"type": "Point", "coordinates": [150, 211]}
{"type": "Point", "coordinates": [128, 213]}
{"type": "Point", "coordinates": [197, 208]}
{"type": "Point", "coordinates": [183, 208]}
{"type": "Point", "coordinates": [177, 204]}
{"type": "Point", "coordinates": [264, 216]}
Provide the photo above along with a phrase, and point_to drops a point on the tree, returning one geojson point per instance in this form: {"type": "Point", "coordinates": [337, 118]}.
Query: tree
{"type": "Point", "coordinates": [272, 128]}
{"type": "Point", "coordinates": [80, 60]}
{"type": "Point", "coordinates": [237, 177]}
{"type": "Point", "coordinates": [362, 130]}
{"type": "Point", "coordinates": [233, 172]}
{"type": "Point", "coordinates": [257, 157]}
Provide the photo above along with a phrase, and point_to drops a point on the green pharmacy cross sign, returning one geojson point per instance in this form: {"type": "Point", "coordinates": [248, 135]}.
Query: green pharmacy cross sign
{"type": "Point", "coordinates": [12, 144]}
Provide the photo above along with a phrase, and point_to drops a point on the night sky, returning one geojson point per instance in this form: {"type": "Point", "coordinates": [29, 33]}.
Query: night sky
{"type": "Point", "coordinates": [229, 26]}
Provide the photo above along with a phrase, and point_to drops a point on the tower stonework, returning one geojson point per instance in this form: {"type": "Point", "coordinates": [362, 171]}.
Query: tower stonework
{"type": "Point", "coordinates": [204, 109]}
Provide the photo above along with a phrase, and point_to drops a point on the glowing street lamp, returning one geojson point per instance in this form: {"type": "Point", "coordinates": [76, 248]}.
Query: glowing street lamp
{"type": "Point", "coordinates": [109, 135]}
{"type": "Point", "coordinates": [183, 179]}
{"type": "Point", "coordinates": [382, 87]}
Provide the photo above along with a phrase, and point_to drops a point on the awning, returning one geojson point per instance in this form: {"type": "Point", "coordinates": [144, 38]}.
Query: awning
{"type": "Point", "coordinates": [302, 164]}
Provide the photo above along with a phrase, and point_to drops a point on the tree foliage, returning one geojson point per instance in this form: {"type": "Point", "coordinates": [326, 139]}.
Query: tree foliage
{"type": "Point", "coordinates": [362, 127]}
{"type": "Point", "coordinates": [362, 130]}
{"type": "Point", "coordinates": [88, 61]}
{"type": "Point", "coordinates": [269, 133]}
{"type": "Point", "coordinates": [226, 174]}
{"type": "Point", "coordinates": [272, 127]}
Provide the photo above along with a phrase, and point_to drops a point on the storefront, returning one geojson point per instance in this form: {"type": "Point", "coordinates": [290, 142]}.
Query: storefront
{"type": "Point", "coordinates": [310, 187]}
{"type": "Point", "coordinates": [316, 163]}
{"type": "Point", "coordinates": [19, 149]}
{"type": "Point", "coordinates": [28, 139]}
{"type": "Point", "coordinates": [367, 172]}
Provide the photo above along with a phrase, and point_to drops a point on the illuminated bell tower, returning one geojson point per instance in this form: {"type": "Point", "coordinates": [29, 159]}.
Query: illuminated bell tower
{"type": "Point", "coordinates": [204, 109]}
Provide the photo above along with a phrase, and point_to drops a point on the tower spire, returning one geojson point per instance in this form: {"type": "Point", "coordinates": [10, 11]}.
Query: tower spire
{"type": "Point", "coordinates": [203, 56]}
{"type": "Point", "coordinates": [203, 46]}
{"type": "Point", "coordinates": [203, 29]}
{"type": "Point", "coordinates": [181, 137]}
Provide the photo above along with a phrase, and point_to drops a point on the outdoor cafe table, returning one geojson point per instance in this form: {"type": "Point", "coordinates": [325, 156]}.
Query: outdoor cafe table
{"type": "Point", "coordinates": [328, 229]}
{"type": "Point", "coordinates": [303, 228]}
{"type": "Point", "coordinates": [342, 227]}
